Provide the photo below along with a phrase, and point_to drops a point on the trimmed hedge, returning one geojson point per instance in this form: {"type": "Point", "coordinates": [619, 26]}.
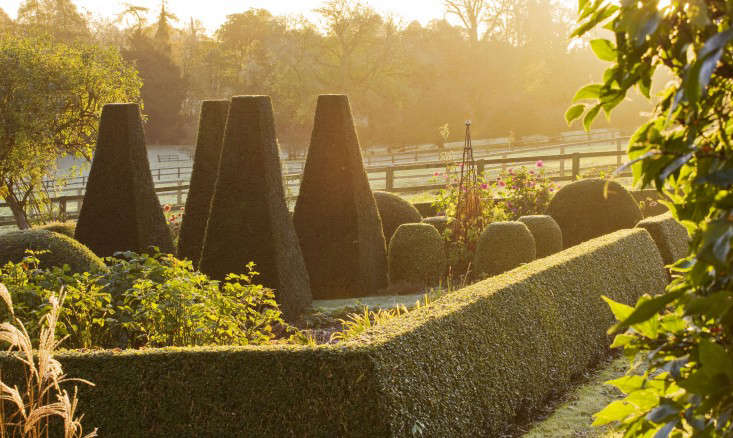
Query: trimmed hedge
{"type": "Point", "coordinates": [651, 199]}
{"type": "Point", "coordinates": [467, 365]}
{"type": "Point", "coordinates": [416, 255]}
{"type": "Point", "coordinates": [203, 178]}
{"type": "Point", "coordinates": [63, 250]}
{"type": "Point", "coordinates": [503, 246]}
{"type": "Point", "coordinates": [669, 235]}
{"type": "Point", "coordinates": [249, 219]}
{"type": "Point", "coordinates": [336, 216]}
{"type": "Point", "coordinates": [583, 210]}
{"type": "Point", "coordinates": [66, 228]}
{"type": "Point", "coordinates": [427, 209]}
{"type": "Point", "coordinates": [546, 232]}
{"type": "Point", "coordinates": [394, 211]}
{"type": "Point", "coordinates": [121, 211]}
{"type": "Point", "coordinates": [439, 222]}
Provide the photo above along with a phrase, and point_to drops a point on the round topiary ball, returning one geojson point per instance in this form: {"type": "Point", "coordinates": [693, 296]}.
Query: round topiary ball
{"type": "Point", "coordinates": [439, 222]}
{"type": "Point", "coordinates": [416, 255]}
{"type": "Point", "coordinates": [546, 232]}
{"type": "Point", "coordinates": [587, 209]}
{"type": "Point", "coordinates": [503, 246]}
{"type": "Point", "coordinates": [395, 211]}
{"type": "Point", "coordinates": [61, 250]}
{"type": "Point", "coordinates": [65, 228]}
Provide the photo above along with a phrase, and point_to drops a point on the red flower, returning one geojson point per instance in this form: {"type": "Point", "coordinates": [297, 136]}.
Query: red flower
{"type": "Point", "coordinates": [166, 208]}
{"type": "Point", "coordinates": [540, 163]}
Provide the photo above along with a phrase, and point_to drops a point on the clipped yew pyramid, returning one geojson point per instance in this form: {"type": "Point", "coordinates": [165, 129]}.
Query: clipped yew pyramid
{"type": "Point", "coordinates": [203, 178]}
{"type": "Point", "coordinates": [336, 217]}
{"type": "Point", "coordinates": [121, 211]}
{"type": "Point", "coordinates": [249, 219]}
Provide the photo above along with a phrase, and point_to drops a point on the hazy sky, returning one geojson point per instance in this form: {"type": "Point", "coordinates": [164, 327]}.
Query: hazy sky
{"type": "Point", "coordinates": [212, 13]}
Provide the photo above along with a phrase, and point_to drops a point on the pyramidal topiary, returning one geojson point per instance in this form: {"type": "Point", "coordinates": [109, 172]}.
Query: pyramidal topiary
{"type": "Point", "coordinates": [336, 217]}
{"type": "Point", "coordinates": [203, 178]}
{"type": "Point", "coordinates": [121, 211]}
{"type": "Point", "coordinates": [249, 219]}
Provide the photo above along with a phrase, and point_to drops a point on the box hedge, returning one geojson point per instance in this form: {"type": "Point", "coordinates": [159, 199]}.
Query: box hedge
{"type": "Point", "coordinates": [669, 235]}
{"type": "Point", "coordinates": [593, 207]}
{"type": "Point", "coordinates": [468, 365]}
{"type": "Point", "coordinates": [546, 232]}
{"type": "Point", "coordinates": [121, 211]}
{"type": "Point", "coordinates": [203, 178]}
{"type": "Point", "coordinates": [394, 211]}
{"type": "Point", "coordinates": [503, 246]}
{"type": "Point", "coordinates": [67, 228]}
{"type": "Point", "coordinates": [249, 219]}
{"type": "Point", "coordinates": [62, 250]}
{"type": "Point", "coordinates": [336, 216]}
{"type": "Point", "coordinates": [416, 255]}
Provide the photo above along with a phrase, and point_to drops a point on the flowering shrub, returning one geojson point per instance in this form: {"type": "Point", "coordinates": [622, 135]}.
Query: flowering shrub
{"type": "Point", "coordinates": [145, 300]}
{"type": "Point", "coordinates": [525, 191]}
{"type": "Point", "coordinates": [462, 236]}
{"type": "Point", "coordinates": [173, 220]}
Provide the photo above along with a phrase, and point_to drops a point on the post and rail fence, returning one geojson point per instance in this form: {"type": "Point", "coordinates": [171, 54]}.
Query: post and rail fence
{"type": "Point", "coordinates": [397, 178]}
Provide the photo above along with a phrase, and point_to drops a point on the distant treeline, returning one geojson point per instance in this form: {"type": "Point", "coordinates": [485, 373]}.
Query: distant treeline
{"type": "Point", "coordinates": [508, 66]}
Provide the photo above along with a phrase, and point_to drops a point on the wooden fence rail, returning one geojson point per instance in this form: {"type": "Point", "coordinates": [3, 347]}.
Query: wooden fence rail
{"type": "Point", "coordinates": [390, 175]}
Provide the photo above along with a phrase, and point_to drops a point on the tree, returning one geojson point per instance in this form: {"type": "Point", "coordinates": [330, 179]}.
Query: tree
{"type": "Point", "coordinates": [685, 151]}
{"type": "Point", "coordinates": [51, 97]}
{"type": "Point", "coordinates": [164, 88]}
{"type": "Point", "coordinates": [58, 18]}
{"type": "Point", "coordinates": [5, 21]}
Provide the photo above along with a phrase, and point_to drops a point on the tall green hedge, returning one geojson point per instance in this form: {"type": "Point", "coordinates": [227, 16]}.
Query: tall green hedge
{"type": "Point", "coordinates": [121, 210]}
{"type": "Point", "coordinates": [669, 235]}
{"type": "Point", "coordinates": [249, 219]}
{"type": "Point", "coordinates": [203, 178]}
{"type": "Point", "coordinates": [336, 217]}
{"type": "Point", "coordinates": [468, 365]}
{"type": "Point", "coordinates": [593, 207]}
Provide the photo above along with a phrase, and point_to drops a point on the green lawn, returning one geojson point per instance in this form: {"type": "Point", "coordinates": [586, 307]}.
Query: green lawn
{"type": "Point", "coordinates": [573, 417]}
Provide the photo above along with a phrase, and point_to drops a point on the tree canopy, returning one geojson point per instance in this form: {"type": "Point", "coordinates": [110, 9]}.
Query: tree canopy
{"type": "Point", "coordinates": [50, 100]}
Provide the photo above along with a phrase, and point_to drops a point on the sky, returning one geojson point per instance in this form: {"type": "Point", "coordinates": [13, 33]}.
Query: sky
{"type": "Point", "coordinates": [212, 13]}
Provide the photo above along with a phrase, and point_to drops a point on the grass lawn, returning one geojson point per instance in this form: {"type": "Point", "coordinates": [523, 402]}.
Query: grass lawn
{"type": "Point", "coordinates": [573, 417]}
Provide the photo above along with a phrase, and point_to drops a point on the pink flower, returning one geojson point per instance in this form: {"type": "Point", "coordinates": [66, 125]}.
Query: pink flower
{"type": "Point", "coordinates": [502, 183]}
{"type": "Point", "coordinates": [531, 172]}
{"type": "Point", "coordinates": [167, 208]}
{"type": "Point", "coordinates": [484, 186]}
{"type": "Point", "coordinates": [436, 174]}
{"type": "Point", "coordinates": [540, 163]}
{"type": "Point", "coordinates": [511, 171]}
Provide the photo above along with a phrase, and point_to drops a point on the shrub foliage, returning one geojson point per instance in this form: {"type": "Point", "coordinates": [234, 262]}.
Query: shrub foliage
{"type": "Point", "coordinates": [249, 219]}
{"type": "Point", "coordinates": [121, 210]}
{"type": "Point", "coordinates": [416, 255]}
{"type": "Point", "coordinates": [53, 249]}
{"type": "Point", "coordinates": [546, 232]}
{"type": "Point", "coordinates": [203, 178]}
{"type": "Point", "coordinates": [685, 151]}
{"type": "Point", "coordinates": [394, 211]}
{"type": "Point", "coordinates": [441, 370]}
{"type": "Point", "coordinates": [503, 246]}
{"type": "Point", "coordinates": [592, 207]}
{"type": "Point", "coordinates": [336, 217]}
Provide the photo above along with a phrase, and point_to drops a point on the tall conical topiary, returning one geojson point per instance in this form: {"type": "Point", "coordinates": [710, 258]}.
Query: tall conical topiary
{"type": "Point", "coordinates": [203, 178]}
{"type": "Point", "coordinates": [121, 211]}
{"type": "Point", "coordinates": [336, 217]}
{"type": "Point", "coordinates": [249, 219]}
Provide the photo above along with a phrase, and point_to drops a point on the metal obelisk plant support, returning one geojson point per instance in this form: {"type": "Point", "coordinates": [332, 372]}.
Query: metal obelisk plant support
{"type": "Point", "coordinates": [468, 208]}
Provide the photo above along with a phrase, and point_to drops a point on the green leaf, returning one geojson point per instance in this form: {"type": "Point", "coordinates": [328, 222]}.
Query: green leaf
{"type": "Point", "coordinates": [714, 359]}
{"type": "Point", "coordinates": [662, 413]}
{"type": "Point", "coordinates": [592, 114]}
{"type": "Point", "coordinates": [574, 112]}
{"type": "Point", "coordinates": [591, 91]}
{"type": "Point", "coordinates": [615, 411]}
{"type": "Point", "coordinates": [645, 309]}
{"type": "Point", "coordinates": [604, 49]}
{"type": "Point", "coordinates": [622, 340]}
{"type": "Point", "coordinates": [628, 384]}
{"type": "Point", "coordinates": [620, 311]}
